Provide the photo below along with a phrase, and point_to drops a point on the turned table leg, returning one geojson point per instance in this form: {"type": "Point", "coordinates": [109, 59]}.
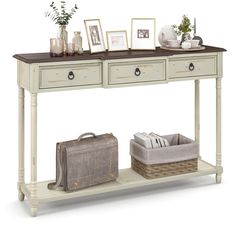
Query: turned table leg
{"type": "Point", "coordinates": [21, 141]}
{"type": "Point", "coordinates": [197, 113]}
{"type": "Point", "coordinates": [219, 168]}
{"type": "Point", "coordinates": [33, 198]}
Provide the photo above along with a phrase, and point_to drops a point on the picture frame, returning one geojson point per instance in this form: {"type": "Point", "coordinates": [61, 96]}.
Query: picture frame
{"type": "Point", "coordinates": [117, 40]}
{"type": "Point", "coordinates": [94, 35]}
{"type": "Point", "coordinates": [143, 33]}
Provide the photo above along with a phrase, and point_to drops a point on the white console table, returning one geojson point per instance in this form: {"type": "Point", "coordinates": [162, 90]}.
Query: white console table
{"type": "Point", "coordinates": [41, 73]}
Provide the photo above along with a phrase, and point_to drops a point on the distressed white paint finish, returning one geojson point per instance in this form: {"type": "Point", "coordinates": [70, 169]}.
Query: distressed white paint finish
{"type": "Point", "coordinates": [24, 77]}
{"type": "Point", "coordinates": [33, 184]}
{"type": "Point", "coordinates": [124, 72]}
{"type": "Point", "coordinates": [218, 131]}
{"type": "Point", "coordinates": [203, 66]}
{"type": "Point", "coordinates": [218, 119]}
{"type": "Point", "coordinates": [220, 65]}
{"type": "Point", "coordinates": [29, 79]}
{"type": "Point", "coordinates": [173, 68]}
{"type": "Point", "coordinates": [197, 112]}
{"type": "Point", "coordinates": [57, 76]}
{"type": "Point", "coordinates": [21, 140]}
{"type": "Point", "coordinates": [192, 55]}
{"type": "Point", "coordinates": [127, 179]}
{"type": "Point", "coordinates": [121, 72]}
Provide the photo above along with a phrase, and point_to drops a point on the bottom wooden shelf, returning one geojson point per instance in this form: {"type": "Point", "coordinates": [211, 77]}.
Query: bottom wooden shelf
{"type": "Point", "coordinates": [127, 179]}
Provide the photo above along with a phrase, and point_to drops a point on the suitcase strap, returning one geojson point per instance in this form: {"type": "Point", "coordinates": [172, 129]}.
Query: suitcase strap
{"type": "Point", "coordinates": [56, 185]}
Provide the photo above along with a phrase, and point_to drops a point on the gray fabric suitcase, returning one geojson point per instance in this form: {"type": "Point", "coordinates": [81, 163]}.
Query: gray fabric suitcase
{"type": "Point", "coordinates": [85, 162]}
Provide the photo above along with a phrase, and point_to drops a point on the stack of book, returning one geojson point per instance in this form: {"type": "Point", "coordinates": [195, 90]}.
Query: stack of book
{"type": "Point", "coordinates": [151, 140]}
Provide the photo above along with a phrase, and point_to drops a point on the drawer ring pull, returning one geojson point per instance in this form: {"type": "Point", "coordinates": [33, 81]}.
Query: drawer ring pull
{"type": "Point", "coordinates": [191, 67]}
{"type": "Point", "coordinates": [137, 72]}
{"type": "Point", "coordinates": [71, 75]}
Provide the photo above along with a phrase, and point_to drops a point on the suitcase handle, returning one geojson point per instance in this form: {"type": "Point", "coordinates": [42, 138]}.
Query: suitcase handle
{"type": "Point", "coordinates": [86, 134]}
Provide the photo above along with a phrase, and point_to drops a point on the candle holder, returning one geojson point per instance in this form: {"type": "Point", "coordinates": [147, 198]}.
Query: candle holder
{"type": "Point", "coordinates": [56, 47]}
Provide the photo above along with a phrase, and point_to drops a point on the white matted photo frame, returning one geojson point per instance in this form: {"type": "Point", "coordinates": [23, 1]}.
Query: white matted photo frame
{"type": "Point", "coordinates": [117, 40]}
{"type": "Point", "coordinates": [94, 35]}
{"type": "Point", "coordinates": [143, 33]}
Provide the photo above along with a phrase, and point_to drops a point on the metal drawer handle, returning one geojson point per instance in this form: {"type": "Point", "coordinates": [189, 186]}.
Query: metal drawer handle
{"type": "Point", "coordinates": [191, 67]}
{"type": "Point", "coordinates": [71, 75]}
{"type": "Point", "coordinates": [137, 72]}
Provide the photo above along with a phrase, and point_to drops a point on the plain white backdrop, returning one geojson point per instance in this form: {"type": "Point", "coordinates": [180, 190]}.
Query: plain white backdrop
{"type": "Point", "coordinates": [194, 207]}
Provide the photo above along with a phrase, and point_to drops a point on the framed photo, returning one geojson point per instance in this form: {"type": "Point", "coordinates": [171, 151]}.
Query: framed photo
{"type": "Point", "coordinates": [94, 35]}
{"type": "Point", "coordinates": [143, 33]}
{"type": "Point", "coordinates": [117, 40]}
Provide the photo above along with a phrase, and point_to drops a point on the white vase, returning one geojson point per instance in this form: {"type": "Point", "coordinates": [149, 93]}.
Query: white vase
{"type": "Point", "coordinates": [166, 33]}
{"type": "Point", "coordinates": [185, 36]}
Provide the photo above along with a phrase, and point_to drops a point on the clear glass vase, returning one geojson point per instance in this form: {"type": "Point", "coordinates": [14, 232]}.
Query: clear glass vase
{"type": "Point", "coordinates": [62, 34]}
{"type": "Point", "coordinates": [77, 40]}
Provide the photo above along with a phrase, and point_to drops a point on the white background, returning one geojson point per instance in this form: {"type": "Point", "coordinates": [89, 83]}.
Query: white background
{"type": "Point", "coordinates": [194, 207]}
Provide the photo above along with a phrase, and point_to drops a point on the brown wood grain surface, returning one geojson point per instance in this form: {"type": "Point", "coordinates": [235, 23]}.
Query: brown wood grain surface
{"type": "Point", "coordinates": [45, 57]}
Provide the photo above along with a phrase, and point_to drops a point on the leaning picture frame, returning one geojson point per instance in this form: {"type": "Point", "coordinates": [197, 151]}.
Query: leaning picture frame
{"type": "Point", "coordinates": [94, 35]}
{"type": "Point", "coordinates": [117, 40]}
{"type": "Point", "coordinates": [143, 33]}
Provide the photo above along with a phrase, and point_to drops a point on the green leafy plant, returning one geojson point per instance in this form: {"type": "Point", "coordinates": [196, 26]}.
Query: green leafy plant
{"type": "Point", "coordinates": [60, 15]}
{"type": "Point", "coordinates": [184, 27]}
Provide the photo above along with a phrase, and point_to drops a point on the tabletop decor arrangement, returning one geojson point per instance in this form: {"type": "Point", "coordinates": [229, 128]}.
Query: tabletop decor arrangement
{"type": "Point", "coordinates": [143, 35]}
{"type": "Point", "coordinates": [61, 16]}
{"type": "Point", "coordinates": [168, 37]}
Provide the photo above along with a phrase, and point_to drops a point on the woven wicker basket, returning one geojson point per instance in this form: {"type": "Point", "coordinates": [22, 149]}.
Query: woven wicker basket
{"type": "Point", "coordinates": [180, 157]}
{"type": "Point", "coordinates": [166, 169]}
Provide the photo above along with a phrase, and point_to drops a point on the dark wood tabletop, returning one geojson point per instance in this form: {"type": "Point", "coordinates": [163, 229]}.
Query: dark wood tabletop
{"type": "Point", "coordinates": [159, 52]}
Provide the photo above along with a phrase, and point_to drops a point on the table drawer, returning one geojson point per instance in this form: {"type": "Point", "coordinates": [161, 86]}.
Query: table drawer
{"type": "Point", "coordinates": [136, 72]}
{"type": "Point", "coordinates": [194, 66]}
{"type": "Point", "coordinates": [67, 76]}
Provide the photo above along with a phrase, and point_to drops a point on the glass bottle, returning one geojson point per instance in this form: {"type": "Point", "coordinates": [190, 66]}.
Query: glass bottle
{"type": "Point", "coordinates": [77, 40]}
{"type": "Point", "coordinates": [62, 34]}
{"type": "Point", "coordinates": [70, 49]}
